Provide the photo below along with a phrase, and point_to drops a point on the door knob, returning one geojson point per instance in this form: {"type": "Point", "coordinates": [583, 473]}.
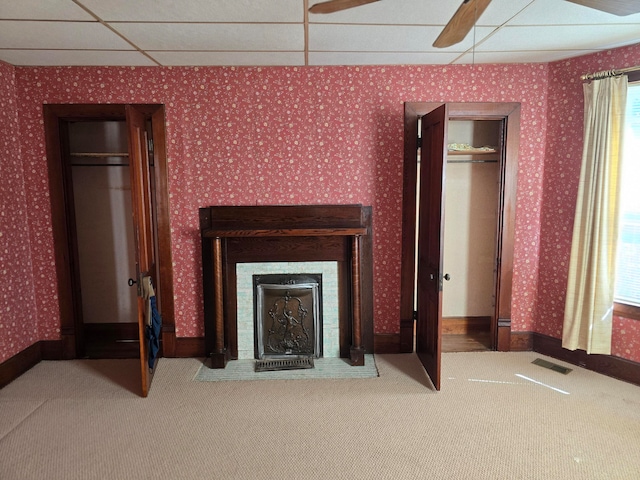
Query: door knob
{"type": "Point", "coordinates": [447, 277]}
{"type": "Point", "coordinates": [131, 282]}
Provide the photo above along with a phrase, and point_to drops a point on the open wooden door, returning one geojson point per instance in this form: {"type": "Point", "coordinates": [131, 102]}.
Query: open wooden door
{"type": "Point", "coordinates": [143, 228]}
{"type": "Point", "coordinates": [430, 239]}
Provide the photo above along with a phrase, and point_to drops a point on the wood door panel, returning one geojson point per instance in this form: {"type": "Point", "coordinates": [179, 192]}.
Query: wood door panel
{"type": "Point", "coordinates": [430, 238]}
{"type": "Point", "coordinates": [55, 117]}
{"type": "Point", "coordinates": [509, 113]}
{"type": "Point", "coordinates": [143, 227]}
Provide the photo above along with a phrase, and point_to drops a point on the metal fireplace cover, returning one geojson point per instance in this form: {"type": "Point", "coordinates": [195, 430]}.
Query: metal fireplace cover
{"type": "Point", "coordinates": [288, 315]}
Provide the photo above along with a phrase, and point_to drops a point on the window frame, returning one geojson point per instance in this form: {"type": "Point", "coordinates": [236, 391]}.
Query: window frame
{"type": "Point", "coordinates": [624, 309]}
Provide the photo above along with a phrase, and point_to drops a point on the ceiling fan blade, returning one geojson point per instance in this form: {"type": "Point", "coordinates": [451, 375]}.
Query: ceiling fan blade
{"type": "Point", "coordinates": [616, 7]}
{"type": "Point", "coordinates": [461, 23]}
{"type": "Point", "coordinates": [337, 5]}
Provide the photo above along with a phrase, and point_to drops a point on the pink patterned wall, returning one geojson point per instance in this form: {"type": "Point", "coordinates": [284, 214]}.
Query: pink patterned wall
{"type": "Point", "coordinates": [562, 171]}
{"type": "Point", "coordinates": [18, 326]}
{"type": "Point", "coordinates": [249, 136]}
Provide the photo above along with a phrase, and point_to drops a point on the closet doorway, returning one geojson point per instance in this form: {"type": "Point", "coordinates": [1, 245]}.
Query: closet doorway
{"type": "Point", "coordinates": [98, 159]}
{"type": "Point", "coordinates": [108, 184]}
{"type": "Point", "coordinates": [460, 175]}
{"type": "Point", "coordinates": [469, 249]}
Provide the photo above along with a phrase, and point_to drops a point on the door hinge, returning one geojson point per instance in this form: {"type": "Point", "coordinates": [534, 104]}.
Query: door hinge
{"type": "Point", "coordinates": [150, 142]}
{"type": "Point", "coordinates": [415, 315]}
{"type": "Point", "coordinates": [419, 142]}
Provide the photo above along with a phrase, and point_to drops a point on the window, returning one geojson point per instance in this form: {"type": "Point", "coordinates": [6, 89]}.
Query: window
{"type": "Point", "coordinates": [627, 288]}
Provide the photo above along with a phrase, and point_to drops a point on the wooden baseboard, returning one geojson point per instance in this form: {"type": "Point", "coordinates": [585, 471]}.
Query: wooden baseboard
{"type": "Point", "coordinates": [110, 331]}
{"type": "Point", "coordinates": [193, 347]}
{"type": "Point", "coordinates": [51, 350]}
{"type": "Point", "coordinates": [609, 365]}
{"type": "Point", "coordinates": [465, 325]}
{"type": "Point", "coordinates": [15, 366]}
{"type": "Point", "coordinates": [111, 340]}
{"type": "Point", "coordinates": [386, 343]}
{"type": "Point", "coordinates": [190, 347]}
{"type": "Point", "coordinates": [521, 342]}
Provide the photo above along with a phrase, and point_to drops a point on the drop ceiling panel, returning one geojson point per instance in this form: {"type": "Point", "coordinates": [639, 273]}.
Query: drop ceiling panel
{"type": "Point", "coordinates": [567, 13]}
{"type": "Point", "coordinates": [555, 37]}
{"type": "Point", "coordinates": [381, 38]}
{"type": "Point", "coordinates": [59, 35]}
{"type": "Point", "coordinates": [42, 10]}
{"type": "Point", "coordinates": [74, 57]}
{"type": "Point", "coordinates": [399, 12]}
{"type": "Point", "coordinates": [280, 32]}
{"type": "Point", "coordinates": [230, 58]}
{"type": "Point", "coordinates": [380, 58]}
{"type": "Point", "coordinates": [244, 11]}
{"type": "Point", "coordinates": [535, 56]}
{"type": "Point", "coordinates": [216, 37]}
{"type": "Point", "coordinates": [417, 12]}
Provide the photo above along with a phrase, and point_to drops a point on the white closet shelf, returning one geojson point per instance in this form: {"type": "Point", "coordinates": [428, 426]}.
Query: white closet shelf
{"type": "Point", "coordinates": [472, 151]}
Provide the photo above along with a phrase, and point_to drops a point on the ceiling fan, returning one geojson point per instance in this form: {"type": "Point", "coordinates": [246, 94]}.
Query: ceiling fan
{"type": "Point", "coordinates": [468, 13]}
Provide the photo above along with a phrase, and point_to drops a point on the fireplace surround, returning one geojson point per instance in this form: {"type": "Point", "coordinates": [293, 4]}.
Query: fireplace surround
{"type": "Point", "coordinates": [300, 233]}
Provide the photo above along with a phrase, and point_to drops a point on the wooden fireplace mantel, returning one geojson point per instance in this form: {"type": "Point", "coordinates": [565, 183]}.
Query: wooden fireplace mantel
{"type": "Point", "coordinates": [286, 232]}
{"type": "Point", "coordinates": [296, 233]}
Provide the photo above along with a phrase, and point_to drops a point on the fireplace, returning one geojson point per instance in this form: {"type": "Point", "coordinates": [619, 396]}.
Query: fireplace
{"type": "Point", "coordinates": [287, 315]}
{"type": "Point", "coordinates": [237, 236]}
{"type": "Point", "coordinates": [246, 312]}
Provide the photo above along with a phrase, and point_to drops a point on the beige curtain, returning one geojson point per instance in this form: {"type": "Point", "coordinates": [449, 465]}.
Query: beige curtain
{"type": "Point", "coordinates": [589, 302]}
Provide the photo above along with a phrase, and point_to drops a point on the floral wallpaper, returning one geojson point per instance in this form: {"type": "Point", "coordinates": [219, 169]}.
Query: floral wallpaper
{"type": "Point", "coordinates": [250, 136]}
{"type": "Point", "coordinates": [18, 326]}
{"type": "Point", "coordinates": [307, 135]}
{"type": "Point", "coordinates": [562, 171]}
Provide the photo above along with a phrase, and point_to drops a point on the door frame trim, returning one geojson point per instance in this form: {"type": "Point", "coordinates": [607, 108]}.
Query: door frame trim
{"type": "Point", "coordinates": [54, 116]}
{"type": "Point", "coordinates": [510, 114]}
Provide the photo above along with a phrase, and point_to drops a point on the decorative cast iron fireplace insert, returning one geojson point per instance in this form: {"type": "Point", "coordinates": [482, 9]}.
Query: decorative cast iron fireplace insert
{"type": "Point", "coordinates": [295, 233]}
{"type": "Point", "coordinates": [288, 315]}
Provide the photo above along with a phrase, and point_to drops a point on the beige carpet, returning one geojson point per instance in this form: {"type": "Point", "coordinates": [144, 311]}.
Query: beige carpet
{"type": "Point", "coordinates": [498, 416]}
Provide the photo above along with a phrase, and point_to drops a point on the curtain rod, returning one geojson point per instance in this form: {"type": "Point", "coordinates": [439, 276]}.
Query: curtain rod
{"type": "Point", "coordinates": [608, 73]}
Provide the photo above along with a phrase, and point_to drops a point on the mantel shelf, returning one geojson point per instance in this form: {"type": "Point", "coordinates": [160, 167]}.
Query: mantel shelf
{"type": "Point", "coordinates": [285, 232]}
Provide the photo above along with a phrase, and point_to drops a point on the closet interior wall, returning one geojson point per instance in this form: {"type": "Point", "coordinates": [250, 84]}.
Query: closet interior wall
{"type": "Point", "coordinates": [472, 185]}
{"type": "Point", "coordinates": [99, 163]}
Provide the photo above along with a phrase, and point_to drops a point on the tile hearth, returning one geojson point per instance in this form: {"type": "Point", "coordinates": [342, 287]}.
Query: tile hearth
{"type": "Point", "coordinates": [324, 368]}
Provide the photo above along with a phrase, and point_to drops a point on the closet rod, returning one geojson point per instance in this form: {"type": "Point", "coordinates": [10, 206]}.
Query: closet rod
{"type": "Point", "coordinates": [99, 164]}
{"type": "Point", "coordinates": [472, 161]}
{"type": "Point", "coordinates": [98, 155]}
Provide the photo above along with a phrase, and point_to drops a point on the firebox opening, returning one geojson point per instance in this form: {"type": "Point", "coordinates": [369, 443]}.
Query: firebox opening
{"type": "Point", "coordinates": [288, 316]}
